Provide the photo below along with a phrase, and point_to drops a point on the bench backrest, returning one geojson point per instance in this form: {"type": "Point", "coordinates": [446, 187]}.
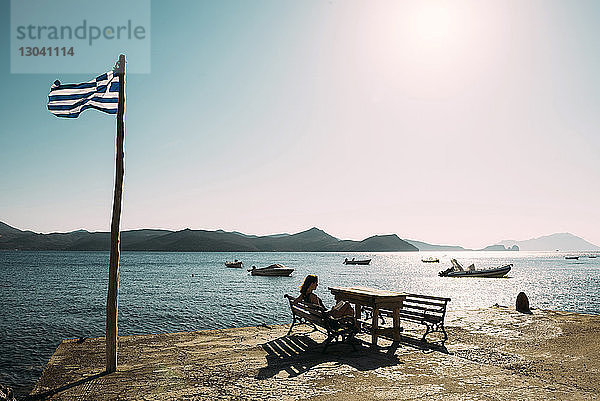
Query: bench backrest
{"type": "Point", "coordinates": [308, 311]}
{"type": "Point", "coordinates": [425, 306]}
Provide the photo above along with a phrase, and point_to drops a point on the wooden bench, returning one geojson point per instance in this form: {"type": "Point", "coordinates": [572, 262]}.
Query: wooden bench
{"type": "Point", "coordinates": [315, 315]}
{"type": "Point", "coordinates": [425, 310]}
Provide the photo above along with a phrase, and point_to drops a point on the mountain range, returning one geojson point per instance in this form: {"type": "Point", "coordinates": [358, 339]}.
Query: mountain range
{"type": "Point", "coordinates": [312, 240]}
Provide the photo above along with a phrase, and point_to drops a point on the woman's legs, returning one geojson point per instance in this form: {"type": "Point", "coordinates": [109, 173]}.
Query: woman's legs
{"type": "Point", "coordinates": [342, 309]}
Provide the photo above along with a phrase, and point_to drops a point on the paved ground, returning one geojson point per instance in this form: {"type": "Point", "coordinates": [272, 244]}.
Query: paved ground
{"type": "Point", "coordinates": [491, 354]}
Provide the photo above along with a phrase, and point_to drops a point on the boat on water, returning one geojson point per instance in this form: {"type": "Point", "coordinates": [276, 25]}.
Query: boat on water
{"type": "Point", "coordinates": [458, 271]}
{"type": "Point", "coordinates": [357, 262]}
{"type": "Point", "coordinates": [592, 256]}
{"type": "Point", "coordinates": [430, 260]}
{"type": "Point", "coordinates": [236, 263]}
{"type": "Point", "coordinates": [572, 257]}
{"type": "Point", "coordinates": [273, 270]}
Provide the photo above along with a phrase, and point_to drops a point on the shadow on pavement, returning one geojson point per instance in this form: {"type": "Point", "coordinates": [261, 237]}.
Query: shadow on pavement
{"type": "Point", "coordinates": [297, 354]}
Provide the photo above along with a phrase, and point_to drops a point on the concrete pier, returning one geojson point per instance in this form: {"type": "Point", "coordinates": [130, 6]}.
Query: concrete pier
{"type": "Point", "coordinates": [493, 353]}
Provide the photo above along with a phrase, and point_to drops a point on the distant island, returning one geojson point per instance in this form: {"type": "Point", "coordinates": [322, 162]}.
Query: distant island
{"type": "Point", "coordinates": [424, 246]}
{"type": "Point", "coordinates": [312, 240]}
{"type": "Point", "coordinates": [553, 242]}
{"type": "Point", "coordinates": [501, 248]}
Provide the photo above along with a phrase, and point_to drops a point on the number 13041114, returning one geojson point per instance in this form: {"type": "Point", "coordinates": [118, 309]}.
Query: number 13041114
{"type": "Point", "coordinates": [46, 51]}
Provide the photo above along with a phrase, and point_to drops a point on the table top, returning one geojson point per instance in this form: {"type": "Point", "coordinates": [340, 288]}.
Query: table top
{"type": "Point", "coordinates": [367, 292]}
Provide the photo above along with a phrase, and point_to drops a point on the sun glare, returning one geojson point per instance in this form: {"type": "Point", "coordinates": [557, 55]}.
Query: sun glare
{"type": "Point", "coordinates": [433, 23]}
{"type": "Point", "coordinates": [426, 48]}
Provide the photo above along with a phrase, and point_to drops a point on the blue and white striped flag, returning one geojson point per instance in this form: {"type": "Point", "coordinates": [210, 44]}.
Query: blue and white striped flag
{"type": "Point", "coordinates": [69, 100]}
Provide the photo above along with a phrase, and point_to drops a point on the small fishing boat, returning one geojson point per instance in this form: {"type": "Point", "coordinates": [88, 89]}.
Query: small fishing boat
{"type": "Point", "coordinates": [357, 262]}
{"type": "Point", "coordinates": [236, 263]}
{"type": "Point", "coordinates": [592, 256]}
{"type": "Point", "coordinates": [273, 270]}
{"type": "Point", "coordinates": [430, 260]}
{"type": "Point", "coordinates": [457, 271]}
{"type": "Point", "coordinates": [572, 257]}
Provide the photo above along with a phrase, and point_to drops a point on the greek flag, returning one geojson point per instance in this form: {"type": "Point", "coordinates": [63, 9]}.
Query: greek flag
{"type": "Point", "coordinates": [69, 100]}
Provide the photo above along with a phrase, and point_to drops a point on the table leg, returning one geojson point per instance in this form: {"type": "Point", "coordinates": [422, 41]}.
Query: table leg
{"type": "Point", "coordinates": [357, 315]}
{"type": "Point", "coordinates": [396, 324]}
{"type": "Point", "coordinates": [375, 326]}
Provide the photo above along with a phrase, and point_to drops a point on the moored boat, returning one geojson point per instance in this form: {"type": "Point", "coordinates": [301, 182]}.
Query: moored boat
{"type": "Point", "coordinates": [236, 263]}
{"type": "Point", "coordinates": [430, 260]}
{"type": "Point", "coordinates": [457, 271]}
{"type": "Point", "coordinates": [273, 270]}
{"type": "Point", "coordinates": [357, 262]}
{"type": "Point", "coordinates": [572, 257]}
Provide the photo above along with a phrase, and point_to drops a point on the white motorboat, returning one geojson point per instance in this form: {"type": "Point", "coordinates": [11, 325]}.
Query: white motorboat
{"type": "Point", "coordinates": [273, 270]}
{"type": "Point", "coordinates": [236, 263]}
{"type": "Point", "coordinates": [458, 271]}
{"type": "Point", "coordinates": [357, 262]}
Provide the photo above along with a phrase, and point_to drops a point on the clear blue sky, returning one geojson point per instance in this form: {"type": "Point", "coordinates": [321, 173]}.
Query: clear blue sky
{"type": "Point", "coordinates": [461, 122]}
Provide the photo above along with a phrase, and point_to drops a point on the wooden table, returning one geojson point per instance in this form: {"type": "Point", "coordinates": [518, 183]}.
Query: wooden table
{"type": "Point", "coordinates": [376, 299]}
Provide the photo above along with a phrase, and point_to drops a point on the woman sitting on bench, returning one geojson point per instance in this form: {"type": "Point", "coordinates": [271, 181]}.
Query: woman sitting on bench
{"type": "Point", "coordinates": [341, 309]}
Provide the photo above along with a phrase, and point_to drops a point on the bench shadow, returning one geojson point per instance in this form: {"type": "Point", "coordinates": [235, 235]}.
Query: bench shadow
{"type": "Point", "coordinates": [297, 354]}
{"type": "Point", "coordinates": [424, 346]}
{"type": "Point", "coordinates": [49, 393]}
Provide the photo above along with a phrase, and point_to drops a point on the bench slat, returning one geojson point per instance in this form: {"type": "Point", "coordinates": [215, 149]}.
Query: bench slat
{"type": "Point", "coordinates": [315, 319]}
{"type": "Point", "coordinates": [316, 312]}
{"type": "Point", "coordinates": [421, 318]}
{"type": "Point", "coordinates": [420, 315]}
{"type": "Point", "coordinates": [414, 315]}
{"type": "Point", "coordinates": [428, 297]}
{"type": "Point", "coordinates": [304, 305]}
{"type": "Point", "coordinates": [312, 311]}
{"type": "Point", "coordinates": [412, 318]}
{"type": "Point", "coordinates": [439, 309]}
{"type": "Point", "coordinates": [423, 302]}
{"type": "Point", "coordinates": [414, 310]}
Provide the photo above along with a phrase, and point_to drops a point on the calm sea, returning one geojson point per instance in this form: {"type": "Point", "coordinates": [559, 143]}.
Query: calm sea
{"type": "Point", "coordinates": [48, 296]}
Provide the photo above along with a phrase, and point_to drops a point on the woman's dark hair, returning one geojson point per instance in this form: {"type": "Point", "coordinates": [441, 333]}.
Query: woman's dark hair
{"type": "Point", "coordinates": [311, 278]}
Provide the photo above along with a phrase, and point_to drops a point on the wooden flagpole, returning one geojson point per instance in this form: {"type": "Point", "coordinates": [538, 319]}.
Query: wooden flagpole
{"type": "Point", "coordinates": [112, 301]}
